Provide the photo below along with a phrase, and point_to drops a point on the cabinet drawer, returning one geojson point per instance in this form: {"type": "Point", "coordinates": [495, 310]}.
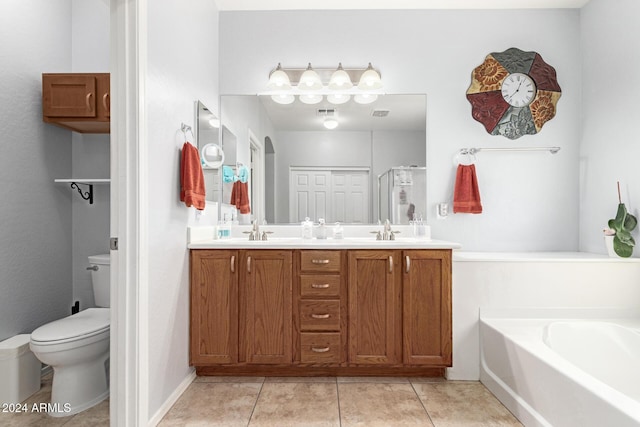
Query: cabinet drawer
{"type": "Point", "coordinates": [320, 315]}
{"type": "Point", "coordinates": [320, 261]}
{"type": "Point", "coordinates": [320, 347]}
{"type": "Point", "coordinates": [319, 285]}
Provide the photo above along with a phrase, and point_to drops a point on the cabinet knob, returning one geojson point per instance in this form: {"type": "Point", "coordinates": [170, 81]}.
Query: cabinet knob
{"type": "Point", "coordinates": [319, 349]}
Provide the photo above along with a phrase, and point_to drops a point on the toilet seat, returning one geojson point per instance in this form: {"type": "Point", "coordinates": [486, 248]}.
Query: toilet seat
{"type": "Point", "coordinates": [80, 326]}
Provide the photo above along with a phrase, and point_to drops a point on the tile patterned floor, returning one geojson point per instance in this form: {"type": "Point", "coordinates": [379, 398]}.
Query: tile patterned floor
{"type": "Point", "coordinates": [306, 402]}
{"type": "Point", "coordinates": [339, 402]}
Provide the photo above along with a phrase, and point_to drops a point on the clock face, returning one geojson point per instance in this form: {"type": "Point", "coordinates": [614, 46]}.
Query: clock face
{"type": "Point", "coordinates": [518, 89]}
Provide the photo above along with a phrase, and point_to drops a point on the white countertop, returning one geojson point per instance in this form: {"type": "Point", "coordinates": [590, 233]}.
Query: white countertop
{"type": "Point", "coordinates": [287, 237]}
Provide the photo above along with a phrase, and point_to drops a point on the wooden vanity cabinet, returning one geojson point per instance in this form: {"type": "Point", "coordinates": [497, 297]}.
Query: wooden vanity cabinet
{"type": "Point", "coordinates": [77, 101]}
{"type": "Point", "coordinates": [375, 322]}
{"type": "Point", "coordinates": [214, 307]}
{"type": "Point", "coordinates": [320, 319]}
{"type": "Point", "coordinates": [426, 307]}
{"type": "Point", "coordinates": [321, 312]}
{"type": "Point", "coordinates": [266, 306]}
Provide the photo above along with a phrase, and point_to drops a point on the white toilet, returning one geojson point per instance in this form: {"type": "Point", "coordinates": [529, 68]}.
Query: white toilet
{"type": "Point", "coordinates": [77, 348]}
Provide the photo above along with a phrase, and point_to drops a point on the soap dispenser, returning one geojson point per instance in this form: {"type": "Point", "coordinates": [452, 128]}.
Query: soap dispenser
{"type": "Point", "coordinates": [321, 233]}
{"type": "Point", "coordinates": [307, 229]}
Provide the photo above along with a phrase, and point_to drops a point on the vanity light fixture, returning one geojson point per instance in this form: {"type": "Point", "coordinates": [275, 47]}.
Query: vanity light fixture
{"type": "Point", "coordinates": [310, 98]}
{"type": "Point", "coordinates": [370, 79]}
{"type": "Point", "coordinates": [337, 98]}
{"type": "Point", "coordinates": [310, 80]}
{"type": "Point", "coordinates": [279, 80]}
{"type": "Point", "coordinates": [330, 120]}
{"type": "Point", "coordinates": [311, 85]}
{"type": "Point", "coordinates": [365, 98]}
{"type": "Point", "coordinates": [340, 80]}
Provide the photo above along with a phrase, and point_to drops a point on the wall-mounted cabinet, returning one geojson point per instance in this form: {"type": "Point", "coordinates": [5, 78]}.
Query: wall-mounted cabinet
{"type": "Point", "coordinates": [77, 101]}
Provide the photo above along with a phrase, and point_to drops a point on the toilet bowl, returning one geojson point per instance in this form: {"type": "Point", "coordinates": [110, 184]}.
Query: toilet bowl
{"type": "Point", "coordinates": [77, 348]}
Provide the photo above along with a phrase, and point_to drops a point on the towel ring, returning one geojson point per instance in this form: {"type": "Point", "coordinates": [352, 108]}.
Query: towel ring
{"type": "Point", "coordinates": [469, 158]}
{"type": "Point", "coordinates": [186, 128]}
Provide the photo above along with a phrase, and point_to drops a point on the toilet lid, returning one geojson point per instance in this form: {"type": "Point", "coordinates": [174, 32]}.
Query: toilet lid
{"type": "Point", "coordinates": [91, 321]}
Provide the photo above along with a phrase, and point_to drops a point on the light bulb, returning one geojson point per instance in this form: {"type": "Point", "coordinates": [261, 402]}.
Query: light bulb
{"type": "Point", "coordinates": [330, 123]}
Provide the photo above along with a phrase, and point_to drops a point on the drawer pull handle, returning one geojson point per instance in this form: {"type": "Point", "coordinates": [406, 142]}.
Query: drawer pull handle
{"type": "Point", "coordinates": [319, 285]}
{"type": "Point", "coordinates": [249, 265]}
{"type": "Point", "coordinates": [233, 263]}
{"type": "Point", "coordinates": [319, 261]}
{"type": "Point", "coordinates": [88, 101]}
{"type": "Point", "coordinates": [320, 316]}
{"type": "Point", "coordinates": [319, 349]}
{"type": "Point", "coordinates": [390, 264]}
{"type": "Point", "coordinates": [408, 263]}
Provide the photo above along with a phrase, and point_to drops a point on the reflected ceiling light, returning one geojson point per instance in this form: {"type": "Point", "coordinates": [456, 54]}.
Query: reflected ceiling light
{"type": "Point", "coordinates": [214, 123]}
{"type": "Point", "coordinates": [340, 80]}
{"type": "Point", "coordinates": [338, 98]}
{"type": "Point", "coordinates": [310, 80]}
{"type": "Point", "coordinates": [365, 98]}
{"type": "Point", "coordinates": [330, 123]}
{"type": "Point", "coordinates": [310, 98]}
{"type": "Point", "coordinates": [370, 79]}
{"type": "Point", "coordinates": [283, 98]}
{"type": "Point", "coordinates": [278, 80]}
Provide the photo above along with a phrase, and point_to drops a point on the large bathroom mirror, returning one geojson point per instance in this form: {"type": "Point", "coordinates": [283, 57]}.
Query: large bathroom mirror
{"type": "Point", "coordinates": [207, 135]}
{"type": "Point", "coordinates": [370, 167]}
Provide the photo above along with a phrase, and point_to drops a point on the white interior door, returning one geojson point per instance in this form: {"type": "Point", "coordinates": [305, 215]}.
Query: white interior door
{"type": "Point", "coordinates": [335, 194]}
{"type": "Point", "coordinates": [309, 194]}
{"type": "Point", "coordinates": [350, 196]}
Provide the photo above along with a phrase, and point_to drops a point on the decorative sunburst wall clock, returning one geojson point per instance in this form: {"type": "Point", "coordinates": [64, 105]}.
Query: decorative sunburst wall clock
{"type": "Point", "coordinates": [513, 93]}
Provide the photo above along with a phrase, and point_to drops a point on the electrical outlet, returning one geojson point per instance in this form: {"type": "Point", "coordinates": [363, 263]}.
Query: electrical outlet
{"type": "Point", "coordinates": [442, 210]}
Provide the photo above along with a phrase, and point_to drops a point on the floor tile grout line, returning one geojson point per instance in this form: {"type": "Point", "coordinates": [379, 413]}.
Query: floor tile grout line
{"type": "Point", "coordinates": [422, 403]}
{"type": "Point", "coordinates": [338, 398]}
{"type": "Point", "coordinates": [256, 402]}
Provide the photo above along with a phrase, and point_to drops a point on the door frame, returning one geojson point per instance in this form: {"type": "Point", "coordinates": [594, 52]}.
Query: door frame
{"type": "Point", "coordinates": [129, 384]}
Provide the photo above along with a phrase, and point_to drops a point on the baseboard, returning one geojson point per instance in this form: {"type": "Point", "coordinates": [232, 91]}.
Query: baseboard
{"type": "Point", "coordinates": [172, 399]}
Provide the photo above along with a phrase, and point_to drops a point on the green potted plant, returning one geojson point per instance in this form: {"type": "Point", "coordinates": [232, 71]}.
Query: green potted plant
{"type": "Point", "coordinates": [620, 229]}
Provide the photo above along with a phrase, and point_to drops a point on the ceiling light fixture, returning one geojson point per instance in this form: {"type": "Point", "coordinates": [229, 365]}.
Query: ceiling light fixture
{"type": "Point", "coordinates": [330, 123]}
{"type": "Point", "coordinates": [312, 84]}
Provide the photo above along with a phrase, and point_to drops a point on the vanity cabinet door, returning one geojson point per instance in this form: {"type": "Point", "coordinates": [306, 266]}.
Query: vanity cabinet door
{"type": "Point", "coordinates": [427, 307]}
{"type": "Point", "coordinates": [266, 306]}
{"type": "Point", "coordinates": [374, 307]}
{"type": "Point", "coordinates": [214, 307]}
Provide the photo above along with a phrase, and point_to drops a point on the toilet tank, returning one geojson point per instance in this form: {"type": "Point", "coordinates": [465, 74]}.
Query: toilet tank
{"type": "Point", "coordinates": [100, 277]}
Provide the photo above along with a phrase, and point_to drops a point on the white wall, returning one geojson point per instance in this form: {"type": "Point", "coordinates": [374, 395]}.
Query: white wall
{"type": "Point", "coordinates": [35, 214]}
{"type": "Point", "coordinates": [610, 149]}
{"type": "Point", "coordinates": [181, 68]}
{"type": "Point", "coordinates": [90, 152]}
{"type": "Point", "coordinates": [530, 200]}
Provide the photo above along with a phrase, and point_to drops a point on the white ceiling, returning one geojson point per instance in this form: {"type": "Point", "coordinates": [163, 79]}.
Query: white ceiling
{"type": "Point", "coordinates": [395, 4]}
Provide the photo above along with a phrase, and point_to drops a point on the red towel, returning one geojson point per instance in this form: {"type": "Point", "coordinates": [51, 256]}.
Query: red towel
{"type": "Point", "coordinates": [466, 196]}
{"type": "Point", "coordinates": [191, 177]}
{"type": "Point", "coordinates": [240, 197]}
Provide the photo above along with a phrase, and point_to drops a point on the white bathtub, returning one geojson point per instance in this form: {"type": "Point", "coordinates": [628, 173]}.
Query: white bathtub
{"type": "Point", "coordinates": [566, 368]}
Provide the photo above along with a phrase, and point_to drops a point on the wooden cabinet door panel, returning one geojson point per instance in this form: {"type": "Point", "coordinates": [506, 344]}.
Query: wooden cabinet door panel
{"type": "Point", "coordinates": [267, 285]}
{"type": "Point", "coordinates": [374, 307]}
{"type": "Point", "coordinates": [427, 307]}
{"type": "Point", "coordinates": [214, 307]}
{"type": "Point", "coordinates": [69, 95]}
